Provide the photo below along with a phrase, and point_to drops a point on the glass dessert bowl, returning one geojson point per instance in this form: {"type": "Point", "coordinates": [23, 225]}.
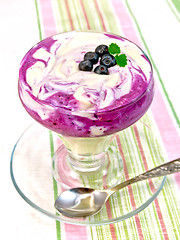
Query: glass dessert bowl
{"type": "Point", "coordinates": [84, 108]}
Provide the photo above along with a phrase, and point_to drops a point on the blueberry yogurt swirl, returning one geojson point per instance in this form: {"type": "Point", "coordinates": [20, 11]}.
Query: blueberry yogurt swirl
{"type": "Point", "coordinates": [71, 84]}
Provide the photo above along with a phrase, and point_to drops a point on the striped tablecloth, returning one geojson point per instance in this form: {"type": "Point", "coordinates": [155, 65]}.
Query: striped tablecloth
{"type": "Point", "coordinates": [154, 26]}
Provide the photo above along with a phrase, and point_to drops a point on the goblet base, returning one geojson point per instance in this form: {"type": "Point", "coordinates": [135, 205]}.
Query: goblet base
{"type": "Point", "coordinates": [99, 171]}
{"type": "Point", "coordinates": [31, 174]}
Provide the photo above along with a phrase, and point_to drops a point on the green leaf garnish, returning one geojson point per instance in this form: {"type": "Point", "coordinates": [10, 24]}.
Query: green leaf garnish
{"type": "Point", "coordinates": [121, 59]}
{"type": "Point", "coordinates": [114, 48]}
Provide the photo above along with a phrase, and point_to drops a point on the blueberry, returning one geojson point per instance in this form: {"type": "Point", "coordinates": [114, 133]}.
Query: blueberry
{"type": "Point", "coordinates": [101, 50]}
{"type": "Point", "coordinates": [85, 65]}
{"type": "Point", "coordinates": [108, 60]}
{"type": "Point", "coordinates": [91, 56]}
{"type": "Point", "coordinates": [101, 69]}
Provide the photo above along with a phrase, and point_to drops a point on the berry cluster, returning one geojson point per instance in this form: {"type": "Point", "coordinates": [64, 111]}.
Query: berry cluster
{"type": "Point", "coordinates": [90, 58]}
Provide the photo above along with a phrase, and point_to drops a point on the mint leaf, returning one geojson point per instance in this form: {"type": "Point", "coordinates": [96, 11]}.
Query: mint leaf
{"type": "Point", "coordinates": [114, 48]}
{"type": "Point", "coordinates": [121, 60]}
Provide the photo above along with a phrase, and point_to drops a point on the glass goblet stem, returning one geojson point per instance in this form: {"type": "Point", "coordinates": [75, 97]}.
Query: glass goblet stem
{"type": "Point", "coordinates": [87, 154]}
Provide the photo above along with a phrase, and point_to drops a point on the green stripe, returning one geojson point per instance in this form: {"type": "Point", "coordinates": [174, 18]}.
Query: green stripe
{"type": "Point", "coordinates": [148, 187]}
{"type": "Point", "coordinates": [90, 12]}
{"type": "Point", "coordinates": [92, 238]}
{"type": "Point", "coordinates": [112, 203]}
{"type": "Point", "coordinates": [114, 28]}
{"type": "Point", "coordinates": [141, 189]}
{"type": "Point", "coordinates": [166, 203]}
{"type": "Point", "coordinates": [92, 23]}
{"type": "Point", "coordinates": [118, 194]}
{"type": "Point", "coordinates": [99, 18]}
{"type": "Point", "coordinates": [116, 198]}
{"type": "Point", "coordinates": [52, 154]}
{"type": "Point", "coordinates": [155, 157]}
{"type": "Point", "coordinates": [156, 154]}
{"type": "Point", "coordinates": [55, 187]}
{"type": "Point", "coordinates": [99, 230]}
{"type": "Point", "coordinates": [172, 215]}
{"type": "Point", "coordinates": [77, 19]}
{"type": "Point", "coordinates": [169, 190]}
{"type": "Point", "coordinates": [109, 15]}
{"type": "Point", "coordinates": [125, 141]}
{"type": "Point", "coordinates": [176, 4]}
{"type": "Point", "coordinates": [63, 16]}
{"type": "Point", "coordinates": [172, 9]}
{"type": "Point", "coordinates": [102, 231]}
{"type": "Point", "coordinates": [127, 150]}
{"type": "Point", "coordinates": [38, 20]}
{"type": "Point", "coordinates": [155, 67]}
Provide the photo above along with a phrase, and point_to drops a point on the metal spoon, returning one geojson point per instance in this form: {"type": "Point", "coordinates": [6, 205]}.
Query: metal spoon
{"type": "Point", "coordinates": [83, 202]}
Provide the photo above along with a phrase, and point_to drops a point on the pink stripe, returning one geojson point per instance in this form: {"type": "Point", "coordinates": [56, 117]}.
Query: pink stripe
{"type": "Point", "coordinates": [160, 113]}
{"type": "Point", "coordinates": [125, 22]}
{"type": "Point", "coordinates": [48, 20]}
{"type": "Point", "coordinates": [111, 226]}
{"type": "Point", "coordinates": [108, 206]}
{"type": "Point", "coordinates": [158, 210]}
{"type": "Point", "coordinates": [170, 136]}
{"type": "Point", "coordinates": [167, 129]}
{"type": "Point", "coordinates": [85, 15]}
{"type": "Point", "coordinates": [137, 220]}
{"type": "Point", "coordinates": [100, 15]}
{"type": "Point", "coordinates": [74, 232]}
{"type": "Point", "coordinates": [143, 156]}
{"type": "Point", "coordinates": [168, 132]}
{"type": "Point", "coordinates": [49, 29]}
{"type": "Point", "coordinates": [69, 15]}
{"type": "Point", "coordinates": [49, 25]}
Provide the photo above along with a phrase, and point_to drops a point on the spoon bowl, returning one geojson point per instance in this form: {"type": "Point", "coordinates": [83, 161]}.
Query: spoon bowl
{"type": "Point", "coordinates": [83, 202]}
{"type": "Point", "coordinates": [79, 202]}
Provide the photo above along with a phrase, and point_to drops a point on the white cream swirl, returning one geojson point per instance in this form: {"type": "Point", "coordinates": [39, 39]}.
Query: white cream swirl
{"type": "Point", "coordinates": [56, 72]}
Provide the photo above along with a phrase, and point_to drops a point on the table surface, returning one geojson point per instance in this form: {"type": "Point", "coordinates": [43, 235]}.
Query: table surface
{"type": "Point", "coordinates": [155, 26]}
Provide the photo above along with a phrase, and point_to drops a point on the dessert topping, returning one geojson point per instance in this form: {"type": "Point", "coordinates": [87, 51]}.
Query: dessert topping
{"type": "Point", "coordinates": [101, 69]}
{"type": "Point", "coordinates": [108, 60]}
{"type": "Point", "coordinates": [121, 59]}
{"type": "Point", "coordinates": [101, 50]}
{"type": "Point", "coordinates": [91, 56]}
{"type": "Point", "coordinates": [85, 65]}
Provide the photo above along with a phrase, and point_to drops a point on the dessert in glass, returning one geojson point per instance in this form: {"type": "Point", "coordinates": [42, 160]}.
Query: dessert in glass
{"type": "Point", "coordinates": [85, 103]}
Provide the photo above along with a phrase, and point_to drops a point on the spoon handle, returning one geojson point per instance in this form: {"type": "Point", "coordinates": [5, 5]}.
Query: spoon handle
{"type": "Point", "coordinates": [162, 170]}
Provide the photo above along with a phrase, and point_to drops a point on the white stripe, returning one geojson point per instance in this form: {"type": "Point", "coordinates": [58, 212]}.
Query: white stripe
{"type": "Point", "coordinates": [96, 19]}
{"type": "Point", "coordinates": [59, 25]}
{"type": "Point", "coordinates": [80, 14]}
{"type": "Point", "coordinates": [106, 20]}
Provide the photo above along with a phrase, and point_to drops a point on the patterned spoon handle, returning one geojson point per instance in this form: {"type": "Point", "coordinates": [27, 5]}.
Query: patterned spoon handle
{"type": "Point", "coordinates": [162, 170]}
